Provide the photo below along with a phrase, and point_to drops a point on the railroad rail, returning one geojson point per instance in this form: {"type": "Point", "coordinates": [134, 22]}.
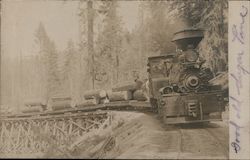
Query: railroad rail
{"type": "Point", "coordinates": [204, 139]}
{"type": "Point", "coordinates": [224, 147]}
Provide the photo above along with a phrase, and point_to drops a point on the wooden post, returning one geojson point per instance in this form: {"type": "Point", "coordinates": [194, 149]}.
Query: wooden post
{"type": "Point", "coordinates": [46, 126]}
{"type": "Point", "coordinates": [18, 136]}
{"type": "Point", "coordinates": [29, 138]}
{"type": "Point", "coordinates": [70, 126]}
{"type": "Point", "coordinates": [45, 144]}
{"type": "Point", "coordinates": [63, 129]}
{"type": "Point", "coordinates": [1, 135]}
{"type": "Point", "coordinates": [54, 128]}
{"type": "Point", "coordinates": [10, 137]}
{"type": "Point", "coordinates": [23, 140]}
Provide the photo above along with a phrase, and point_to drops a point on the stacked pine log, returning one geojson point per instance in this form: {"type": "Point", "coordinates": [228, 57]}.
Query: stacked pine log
{"type": "Point", "coordinates": [127, 86]}
{"type": "Point", "coordinates": [33, 109]}
{"type": "Point", "coordinates": [129, 91]}
{"type": "Point", "coordinates": [60, 103]}
{"type": "Point", "coordinates": [121, 92]}
{"type": "Point", "coordinates": [33, 106]}
{"type": "Point", "coordinates": [119, 96]}
{"type": "Point", "coordinates": [139, 95]}
{"type": "Point", "coordinates": [93, 97]}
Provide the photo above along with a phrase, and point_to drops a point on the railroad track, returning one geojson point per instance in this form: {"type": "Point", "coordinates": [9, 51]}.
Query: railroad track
{"type": "Point", "coordinates": [200, 141]}
{"type": "Point", "coordinates": [180, 150]}
{"type": "Point", "coordinates": [224, 147]}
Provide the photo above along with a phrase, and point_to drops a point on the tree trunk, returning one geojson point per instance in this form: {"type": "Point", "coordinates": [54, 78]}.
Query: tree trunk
{"type": "Point", "coordinates": [0, 57]}
{"type": "Point", "coordinates": [91, 40]}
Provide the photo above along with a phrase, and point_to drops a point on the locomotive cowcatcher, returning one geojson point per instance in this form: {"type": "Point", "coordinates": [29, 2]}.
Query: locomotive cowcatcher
{"type": "Point", "coordinates": [179, 85]}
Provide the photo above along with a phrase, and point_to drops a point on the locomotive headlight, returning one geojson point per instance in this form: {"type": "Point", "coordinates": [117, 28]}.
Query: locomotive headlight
{"type": "Point", "coordinates": [191, 56]}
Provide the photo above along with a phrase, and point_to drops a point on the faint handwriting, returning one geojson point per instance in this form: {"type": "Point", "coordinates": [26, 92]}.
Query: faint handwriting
{"type": "Point", "coordinates": [239, 34]}
{"type": "Point", "coordinates": [241, 71]}
{"type": "Point", "coordinates": [236, 104]}
{"type": "Point", "coordinates": [236, 143]}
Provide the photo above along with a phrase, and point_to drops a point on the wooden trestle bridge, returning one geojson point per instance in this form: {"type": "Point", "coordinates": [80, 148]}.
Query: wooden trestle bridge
{"type": "Point", "coordinates": [37, 133]}
{"type": "Point", "coordinates": [56, 130]}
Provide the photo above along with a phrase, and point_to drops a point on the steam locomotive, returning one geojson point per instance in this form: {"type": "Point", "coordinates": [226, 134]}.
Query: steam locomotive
{"type": "Point", "coordinates": [179, 83]}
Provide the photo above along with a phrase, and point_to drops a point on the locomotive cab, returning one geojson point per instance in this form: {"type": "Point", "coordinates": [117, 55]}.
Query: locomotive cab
{"type": "Point", "coordinates": [179, 84]}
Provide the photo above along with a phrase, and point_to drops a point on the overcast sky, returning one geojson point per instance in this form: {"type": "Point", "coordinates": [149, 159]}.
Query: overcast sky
{"type": "Point", "coordinates": [20, 19]}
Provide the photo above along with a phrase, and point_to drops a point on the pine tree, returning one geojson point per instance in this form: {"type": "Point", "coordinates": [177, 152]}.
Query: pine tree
{"type": "Point", "coordinates": [70, 71]}
{"type": "Point", "coordinates": [48, 62]}
{"type": "Point", "coordinates": [83, 45]}
{"type": "Point", "coordinates": [109, 43]}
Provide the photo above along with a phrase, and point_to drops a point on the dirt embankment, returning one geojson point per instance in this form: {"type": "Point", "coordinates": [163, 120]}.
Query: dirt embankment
{"type": "Point", "coordinates": [131, 135]}
{"type": "Point", "coordinates": [139, 135]}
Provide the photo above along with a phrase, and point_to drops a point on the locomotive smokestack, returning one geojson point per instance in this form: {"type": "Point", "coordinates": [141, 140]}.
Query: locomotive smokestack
{"type": "Point", "coordinates": [188, 37]}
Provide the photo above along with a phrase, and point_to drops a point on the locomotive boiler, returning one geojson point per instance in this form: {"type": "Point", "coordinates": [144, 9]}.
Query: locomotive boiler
{"type": "Point", "coordinates": [179, 83]}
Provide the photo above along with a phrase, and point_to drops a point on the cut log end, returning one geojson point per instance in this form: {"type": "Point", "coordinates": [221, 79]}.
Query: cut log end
{"type": "Point", "coordinates": [139, 95]}
{"type": "Point", "coordinates": [119, 96]}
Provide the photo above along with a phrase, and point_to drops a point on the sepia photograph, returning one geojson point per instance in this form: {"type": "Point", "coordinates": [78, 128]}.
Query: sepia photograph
{"type": "Point", "coordinates": [115, 79]}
